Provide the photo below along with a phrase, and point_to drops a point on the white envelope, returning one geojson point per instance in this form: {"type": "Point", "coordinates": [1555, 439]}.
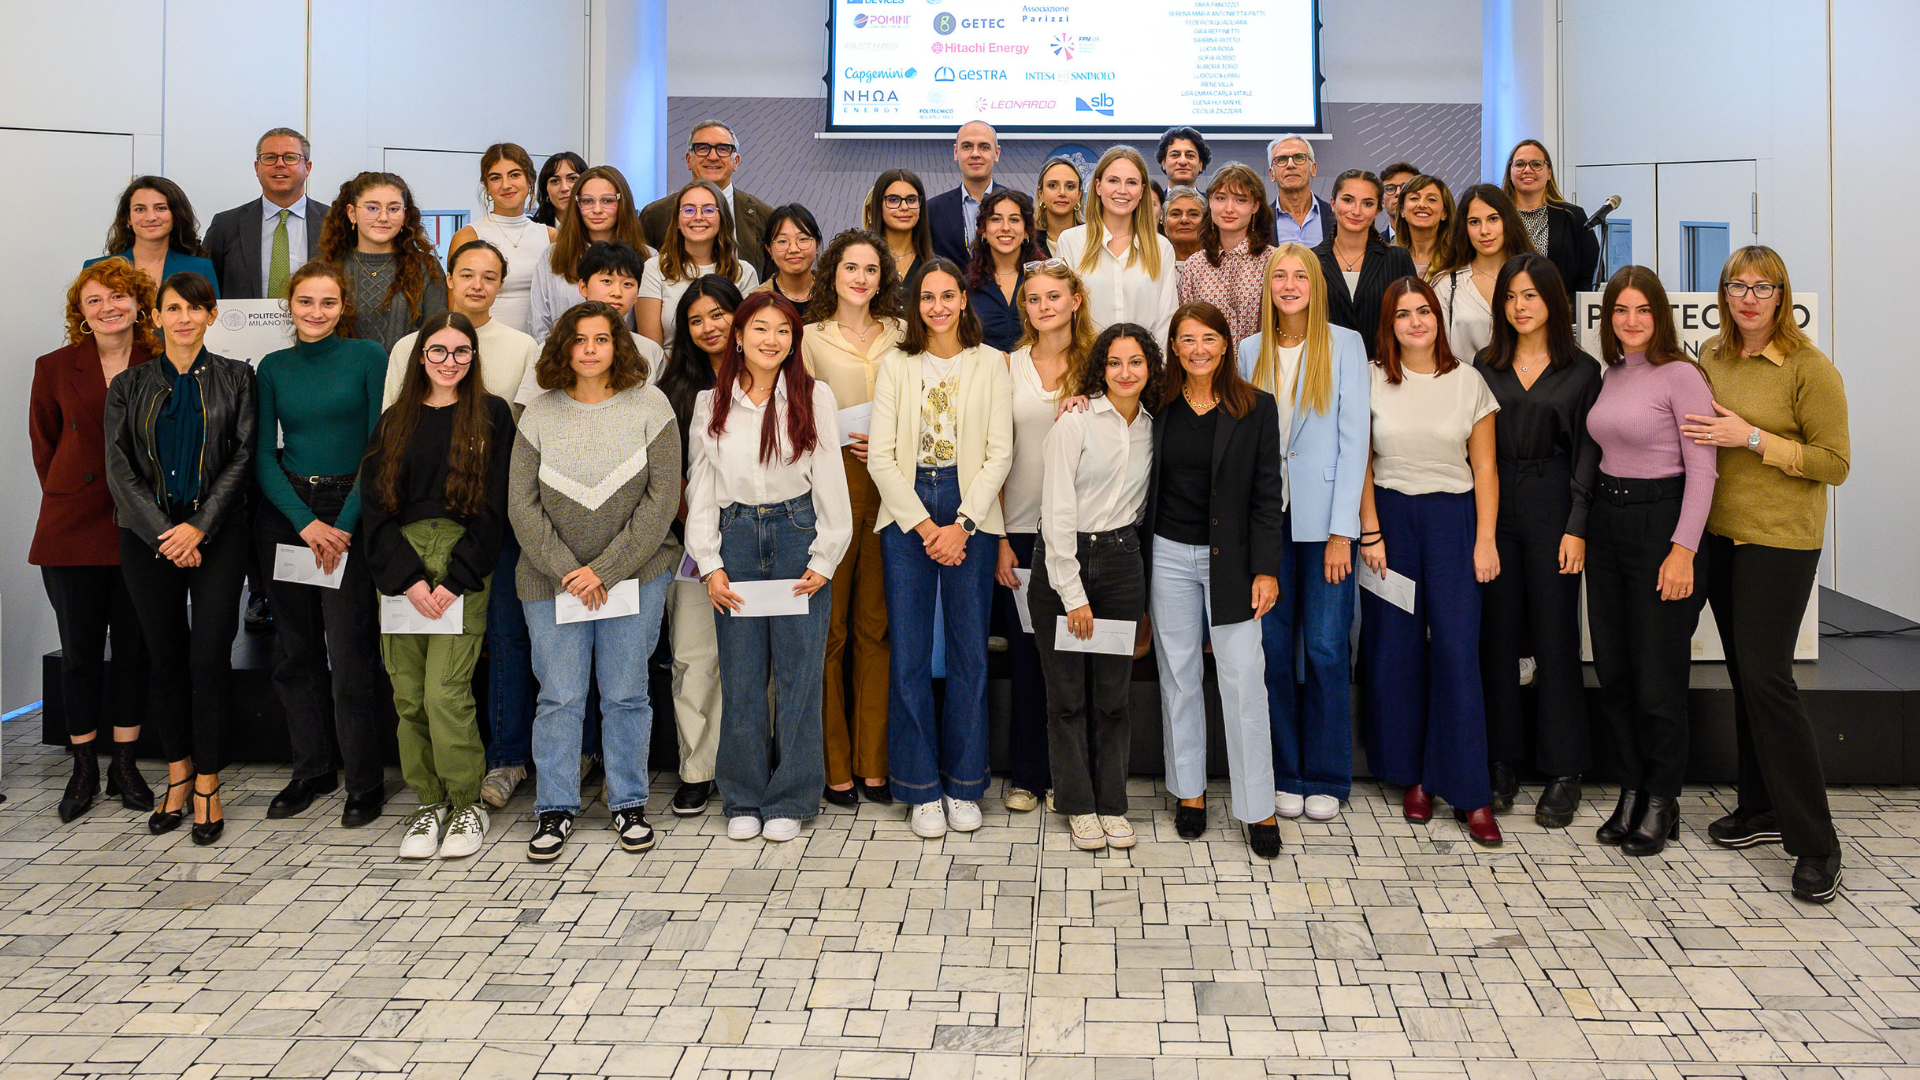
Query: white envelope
{"type": "Point", "coordinates": [763, 599]}
{"type": "Point", "coordinates": [688, 570]}
{"type": "Point", "coordinates": [856, 418]}
{"type": "Point", "coordinates": [1393, 587]}
{"type": "Point", "coordinates": [1111, 636]}
{"type": "Point", "coordinates": [294, 562]}
{"type": "Point", "coordinates": [399, 616]}
{"type": "Point", "coordinates": [1020, 599]}
{"type": "Point", "coordinates": [622, 599]}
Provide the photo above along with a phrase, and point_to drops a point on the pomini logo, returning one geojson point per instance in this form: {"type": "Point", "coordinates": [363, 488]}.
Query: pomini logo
{"type": "Point", "coordinates": [881, 22]}
{"type": "Point", "coordinates": [854, 74]}
{"type": "Point", "coordinates": [1064, 46]}
{"type": "Point", "coordinates": [1100, 103]}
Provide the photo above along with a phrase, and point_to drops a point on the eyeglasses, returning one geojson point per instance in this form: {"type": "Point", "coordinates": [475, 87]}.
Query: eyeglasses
{"type": "Point", "coordinates": [374, 210]}
{"type": "Point", "coordinates": [703, 210]}
{"type": "Point", "coordinates": [1534, 165]}
{"type": "Point", "coordinates": [1739, 289]}
{"type": "Point", "coordinates": [896, 202]}
{"type": "Point", "coordinates": [792, 243]}
{"type": "Point", "coordinates": [588, 202]}
{"type": "Point", "coordinates": [1044, 264]}
{"type": "Point", "coordinates": [1391, 189]}
{"type": "Point", "coordinates": [1296, 158]}
{"type": "Point", "coordinates": [280, 159]}
{"type": "Point", "coordinates": [440, 354]}
{"type": "Point", "coordinates": [709, 149]}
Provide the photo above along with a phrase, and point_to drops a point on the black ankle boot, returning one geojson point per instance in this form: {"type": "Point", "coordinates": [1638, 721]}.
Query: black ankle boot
{"type": "Point", "coordinates": [1659, 824]}
{"type": "Point", "coordinates": [1626, 817]}
{"type": "Point", "coordinates": [1506, 785]}
{"type": "Point", "coordinates": [124, 779]}
{"type": "Point", "coordinates": [83, 786]}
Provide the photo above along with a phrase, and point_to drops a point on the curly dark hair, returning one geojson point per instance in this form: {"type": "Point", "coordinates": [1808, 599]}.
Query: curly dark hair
{"type": "Point", "coordinates": [822, 302]}
{"type": "Point", "coordinates": [1089, 377]}
{"type": "Point", "coordinates": [980, 253]}
{"type": "Point", "coordinates": [554, 370]}
{"type": "Point", "coordinates": [185, 237]}
{"type": "Point", "coordinates": [416, 262]}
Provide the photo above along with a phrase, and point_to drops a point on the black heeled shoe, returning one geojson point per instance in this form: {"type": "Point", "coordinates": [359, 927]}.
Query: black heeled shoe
{"type": "Point", "coordinates": [837, 797]}
{"type": "Point", "coordinates": [1659, 824]}
{"type": "Point", "coordinates": [1625, 819]}
{"type": "Point", "coordinates": [206, 832]}
{"type": "Point", "coordinates": [164, 820]}
{"type": "Point", "coordinates": [124, 779]}
{"type": "Point", "coordinates": [83, 786]}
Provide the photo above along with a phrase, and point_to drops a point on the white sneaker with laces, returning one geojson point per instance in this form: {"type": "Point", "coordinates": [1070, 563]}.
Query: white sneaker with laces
{"type": "Point", "coordinates": [780, 829]}
{"type": "Point", "coordinates": [499, 784]}
{"type": "Point", "coordinates": [1288, 804]}
{"type": "Point", "coordinates": [1119, 832]}
{"type": "Point", "coordinates": [962, 814]}
{"type": "Point", "coordinates": [1528, 665]}
{"type": "Point", "coordinates": [744, 827]}
{"type": "Point", "coordinates": [420, 836]}
{"type": "Point", "coordinates": [1087, 833]}
{"type": "Point", "coordinates": [1322, 808]}
{"type": "Point", "coordinates": [466, 829]}
{"type": "Point", "coordinates": [928, 820]}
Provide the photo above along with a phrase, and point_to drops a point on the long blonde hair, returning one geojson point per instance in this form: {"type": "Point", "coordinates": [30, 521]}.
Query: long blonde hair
{"type": "Point", "coordinates": [1316, 361]}
{"type": "Point", "coordinates": [1144, 245]}
{"type": "Point", "coordinates": [1079, 324]}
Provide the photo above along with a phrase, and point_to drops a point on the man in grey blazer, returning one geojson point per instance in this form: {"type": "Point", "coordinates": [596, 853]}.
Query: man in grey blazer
{"type": "Point", "coordinates": [714, 154]}
{"type": "Point", "coordinates": [248, 252]}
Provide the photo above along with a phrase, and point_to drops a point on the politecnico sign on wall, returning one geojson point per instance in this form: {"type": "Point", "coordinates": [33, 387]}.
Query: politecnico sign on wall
{"type": "Point", "coordinates": [250, 329]}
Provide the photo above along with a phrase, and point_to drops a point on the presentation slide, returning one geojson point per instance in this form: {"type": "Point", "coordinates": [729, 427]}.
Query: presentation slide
{"type": "Point", "coordinates": [1073, 66]}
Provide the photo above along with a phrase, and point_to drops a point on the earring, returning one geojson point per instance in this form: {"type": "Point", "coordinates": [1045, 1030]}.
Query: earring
{"type": "Point", "coordinates": [86, 327]}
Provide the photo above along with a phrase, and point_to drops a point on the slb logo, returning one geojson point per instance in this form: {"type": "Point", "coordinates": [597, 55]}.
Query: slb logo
{"type": "Point", "coordinates": [1099, 103]}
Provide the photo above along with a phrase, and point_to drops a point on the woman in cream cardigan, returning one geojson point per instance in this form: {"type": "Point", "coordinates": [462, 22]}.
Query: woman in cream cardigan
{"type": "Point", "coordinates": [940, 447]}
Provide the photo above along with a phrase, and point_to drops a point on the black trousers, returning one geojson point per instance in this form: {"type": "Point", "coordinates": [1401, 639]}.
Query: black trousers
{"type": "Point", "coordinates": [189, 617]}
{"type": "Point", "coordinates": [1532, 594]}
{"type": "Point", "coordinates": [1089, 728]}
{"type": "Point", "coordinates": [1027, 757]}
{"type": "Point", "coordinates": [1759, 595]}
{"type": "Point", "coordinates": [1642, 645]}
{"type": "Point", "coordinates": [331, 681]}
{"type": "Point", "coordinates": [88, 602]}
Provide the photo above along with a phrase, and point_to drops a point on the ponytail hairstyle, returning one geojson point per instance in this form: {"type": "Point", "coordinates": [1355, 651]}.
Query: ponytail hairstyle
{"type": "Point", "coordinates": [469, 451]}
{"type": "Point", "coordinates": [801, 432]}
{"type": "Point", "coordinates": [415, 262]}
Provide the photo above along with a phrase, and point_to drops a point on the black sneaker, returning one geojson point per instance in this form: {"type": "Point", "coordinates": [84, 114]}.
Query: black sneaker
{"type": "Point", "coordinates": [635, 833]}
{"type": "Point", "coordinates": [692, 798]}
{"type": "Point", "coordinates": [1816, 878]}
{"type": "Point", "coordinates": [259, 617]}
{"type": "Point", "coordinates": [551, 836]}
{"type": "Point", "coordinates": [1741, 829]}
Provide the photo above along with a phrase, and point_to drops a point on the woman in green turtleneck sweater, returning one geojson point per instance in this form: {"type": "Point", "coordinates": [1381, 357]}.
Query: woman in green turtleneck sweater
{"type": "Point", "coordinates": [323, 397]}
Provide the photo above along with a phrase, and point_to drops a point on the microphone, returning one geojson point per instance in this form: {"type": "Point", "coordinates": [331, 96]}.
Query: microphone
{"type": "Point", "coordinates": [1600, 215]}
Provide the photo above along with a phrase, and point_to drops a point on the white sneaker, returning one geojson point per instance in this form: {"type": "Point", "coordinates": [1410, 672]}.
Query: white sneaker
{"type": "Point", "coordinates": [928, 820]}
{"type": "Point", "coordinates": [1087, 833]}
{"type": "Point", "coordinates": [1119, 833]}
{"type": "Point", "coordinates": [1287, 804]}
{"type": "Point", "coordinates": [1322, 808]}
{"type": "Point", "coordinates": [420, 836]}
{"type": "Point", "coordinates": [1020, 800]}
{"type": "Point", "coordinates": [962, 814]}
{"type": "Point", "coordinates": [780, 829]}
{"type": "Point", "coordinates": [499, 784]}
{"type": "Point", "coordinates": [1050, 808]}
{"type": "Point", "coordinates": [1527, 668]}
{"type": "Point", "coordinates": [744, 827]}
{"type": "Point", "coordinates": [465, 831]}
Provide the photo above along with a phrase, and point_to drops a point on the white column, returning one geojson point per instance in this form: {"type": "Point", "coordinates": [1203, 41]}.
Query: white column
{"type": "Point", "coordinates": [1520, 81]}
{"type": "Point", "coordinates": [627, 91]}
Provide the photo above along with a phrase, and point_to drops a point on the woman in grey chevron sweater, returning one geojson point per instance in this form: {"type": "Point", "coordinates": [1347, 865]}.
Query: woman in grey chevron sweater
{"type": "Point", "coordinates": [594, 483]}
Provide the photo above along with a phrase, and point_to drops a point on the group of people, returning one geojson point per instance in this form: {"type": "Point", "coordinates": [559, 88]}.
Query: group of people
{"type": "Point", "coordinates": [1106, 418]}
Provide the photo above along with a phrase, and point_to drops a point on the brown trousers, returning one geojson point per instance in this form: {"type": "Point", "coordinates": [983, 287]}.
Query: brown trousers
{"type": "Point", "coordinates": [856, 729]}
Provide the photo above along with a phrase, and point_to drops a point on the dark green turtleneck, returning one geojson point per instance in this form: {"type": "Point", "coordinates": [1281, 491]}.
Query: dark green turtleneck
{"type": "Point", "coordinates": [324, 397]}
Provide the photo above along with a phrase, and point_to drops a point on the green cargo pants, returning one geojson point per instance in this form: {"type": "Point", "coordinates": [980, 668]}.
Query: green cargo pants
{"type": "Point", "coordinates": [440, 751]}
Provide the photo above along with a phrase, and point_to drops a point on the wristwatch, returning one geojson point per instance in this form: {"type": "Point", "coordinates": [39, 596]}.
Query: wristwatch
{"type": "Point", "coordinates": [966, 523]}
{"type": "Point", "coordinates": [1753, 440]}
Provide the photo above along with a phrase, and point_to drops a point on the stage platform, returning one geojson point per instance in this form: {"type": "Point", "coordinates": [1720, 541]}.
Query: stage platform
{"type": "Point", "coordinates": [1863, 693]}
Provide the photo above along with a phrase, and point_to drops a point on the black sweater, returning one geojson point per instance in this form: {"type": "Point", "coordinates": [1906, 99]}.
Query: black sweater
{"type": "Point", "coordinates": [423, 492]}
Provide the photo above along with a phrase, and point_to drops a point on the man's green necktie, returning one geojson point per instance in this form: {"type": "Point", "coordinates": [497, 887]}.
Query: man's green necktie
{"type": "Point", "coordinates": [279, 268]}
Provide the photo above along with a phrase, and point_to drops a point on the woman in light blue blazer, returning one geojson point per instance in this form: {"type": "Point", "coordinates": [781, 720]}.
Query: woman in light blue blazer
{"type": "Point", "coordinates": [1317, 372]}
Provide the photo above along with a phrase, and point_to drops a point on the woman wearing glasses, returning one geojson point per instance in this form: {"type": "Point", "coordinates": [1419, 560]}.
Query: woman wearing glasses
{"type": "Point", "coordinates": [1129, 268]}
{"type": "Point", "coordinates": [393, 278]}
{"type": "Point", "coordinates": [1004, 247]}
{"type": "Point", "coordinates": [601, 210]}
{"type": "Point", "coordinates": [1234, 238]}
{"type": "Point", "coordinates": [1780, 425]}
{"type": "Point", "coordinates": [506, 177]}
{"type": "Point", "coordinates": [1555, 227]}
{"type": "Point", "coordinates": [699, 243]}
{"type": "Point", "coordinates": [793, 240]}
{"type": "Point", "coordinates": [896, 212]}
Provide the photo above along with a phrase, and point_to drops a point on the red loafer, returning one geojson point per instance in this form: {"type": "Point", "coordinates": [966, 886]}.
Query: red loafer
{"type": "Point", "coordinates": [1417, 805]}
{"type": "Point", "coordinates": [1480, 825]}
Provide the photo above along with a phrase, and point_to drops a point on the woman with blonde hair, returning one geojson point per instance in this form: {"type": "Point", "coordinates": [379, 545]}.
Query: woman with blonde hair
{"type": "Point", "coordinates": [600, 208]}
{"type": "Point", "coordinates": [1426, 209]}
{"type": "Point", "coordinates": [1227, 270]}
{"type": "Point", "coordinates": [700, 242]}
{"type": "Point", "coordinates": [1139, 284]}
{"type": "Point", "coordinates": [1057, 200]}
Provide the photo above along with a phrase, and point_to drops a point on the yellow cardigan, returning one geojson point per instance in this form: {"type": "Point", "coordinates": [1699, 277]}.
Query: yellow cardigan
{"type": "Point", "coordinates": [986, 437]}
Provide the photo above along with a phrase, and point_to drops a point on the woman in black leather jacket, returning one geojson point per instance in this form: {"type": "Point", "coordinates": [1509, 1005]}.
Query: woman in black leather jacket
{"type": "Point", "coordinates": [179, 454]}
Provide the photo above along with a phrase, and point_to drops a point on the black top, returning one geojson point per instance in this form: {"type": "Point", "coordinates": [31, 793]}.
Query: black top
{"type": "Point", "coordinates": [1548, 423]}
{"type": "Point", "coordinates": [1573, 248]}
{"type": "Point", "coordinates": [423, 492]}
{"type": "Point", "coordinates": [1382, 265]}
{"type": "Point", "coordinates": [1186, 474]}
{"type": "Point", "coordinates": [999, 317]}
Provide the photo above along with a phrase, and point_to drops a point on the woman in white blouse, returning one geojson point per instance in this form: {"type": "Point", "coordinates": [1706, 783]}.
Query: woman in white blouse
{"type": "Point", "coordinates": [700, 242]}
{"type": "Point", "coordinates": [941, 444]}
{"type": "Point", "coordinates": [1087, 566]}
{"type": "Point", "coordinates": [1130, 269]}
{"type": "Point", "coordinates": [506, 178]}
{"type": "Point", "coordinates": [767, 502]}
{"type": "Point", "coordinates": [1482, 237]}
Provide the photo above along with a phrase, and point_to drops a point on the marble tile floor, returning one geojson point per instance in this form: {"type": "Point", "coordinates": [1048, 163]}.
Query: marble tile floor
{"type": "Point", "coordinates": [1372, 949]}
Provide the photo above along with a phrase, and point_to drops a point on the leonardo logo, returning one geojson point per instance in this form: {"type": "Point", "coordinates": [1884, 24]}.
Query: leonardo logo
{"type": "Point", "coordinates": [944, 23]}
{"type": "Point", "coordinates": [1064, 46]}
{"type": "Point", "coordinates": [1100, 103]}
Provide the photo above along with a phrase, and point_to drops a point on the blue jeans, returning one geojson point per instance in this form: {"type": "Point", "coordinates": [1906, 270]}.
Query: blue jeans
{"type": "Point", "coordinates": [510, 695]}
{"type": "Point", "coordinates": [759, 543]}
{"type": "Point", "coordinates": [568, 660]}
{"type": "Point", "coordinates": [929, 756]}
{"type": "Point", "coordinates": [1312, 731]}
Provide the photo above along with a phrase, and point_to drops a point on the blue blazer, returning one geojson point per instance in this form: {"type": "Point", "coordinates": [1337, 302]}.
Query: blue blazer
{"type": "Point", "coordinates": [1326, 458]}
{"type": "Point", "coordinates": [948, 221]}
{"type": "Point", "coordinates": [176, 263]}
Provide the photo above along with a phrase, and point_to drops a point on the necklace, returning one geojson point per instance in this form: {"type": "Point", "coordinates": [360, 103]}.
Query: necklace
{"type": "Point", "coordinates": [512, 239]}
{"type": "Point", "coordinates": [1355, 264]}
{"type": "Point", "coordinates": [1286, 337]}
{"type": "Point", "coordinates": [1198, 409]}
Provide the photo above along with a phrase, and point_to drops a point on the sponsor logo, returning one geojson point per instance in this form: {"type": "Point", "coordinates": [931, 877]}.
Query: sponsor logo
{"type": "Point", "coordinates": [996, 48]}
{"type": "Point", "coordinates": [1043, 13]}
{"type": "Point", "coordinates": [947, 74]}
{"type": "Point", "coordinates": [936, 97]}
{"type": "Point", "coordinates": [1014, 104]}
{"type": "Point", "coordinates": [1041, 76]}
{"type": "Point", "coordinates": [944, 23]}
{"type": "Point", "coordinates": [1091, 76]}
{"type": "Point", "coordinates": [943, 74]}
{"type": "Point", "coordinates": [1065, 45]}
{"type": "Point", "coordinates": [865, 21]}
{"type": "Point", "coordinates": [870, 45]}
{"type": "Point", "coordinates": [1099, 103]}
{"type": "Point", "coordinates": [854, 74]}
{"type": "Point", "coordinates": [869, 97]}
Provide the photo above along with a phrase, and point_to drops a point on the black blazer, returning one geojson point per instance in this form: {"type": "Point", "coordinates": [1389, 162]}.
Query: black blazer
{"type": "Point", "coordinates": [1572, 248]}
{"type": "Point", "coordinates": [1246, 515]}
{"type": "Point", "coordinates": [1359, 311]}
{"type": "Point", "coordinates": [234, 242]}
{"type": "Point", "coordinates": [948, 220]}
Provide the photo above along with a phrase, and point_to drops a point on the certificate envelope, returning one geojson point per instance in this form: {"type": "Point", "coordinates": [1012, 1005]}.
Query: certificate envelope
{"type": "Point", "coordinates": [1111, 636]}
{"type": "Point", "coordinates": [1393, 587]}
{"type": "Point", "coordinates": [762, 599]}
{"type": "Point", "coordinates": [622, 599]}
{"type": "Point", "coordinates": [856, 418]}
{"type": "Point", "coordinates": [1020, 599]}
{"type": "Point", "coordinates": [294, 562]}
{"type": "Point", "coordinates": [399, 616]}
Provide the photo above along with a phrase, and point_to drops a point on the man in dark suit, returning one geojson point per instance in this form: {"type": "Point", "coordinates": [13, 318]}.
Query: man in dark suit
{"type": "Point", "coordinates": [714, 154]}
{"type": "Point", "coordinates": [954, 216]}
{"type": "Point", "coordinates": [256, 245]}
{"type": "Point", "coordinates": [1299, 214]}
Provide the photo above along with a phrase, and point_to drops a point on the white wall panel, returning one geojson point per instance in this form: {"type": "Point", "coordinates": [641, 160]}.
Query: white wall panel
{"type": "Point", "coordinates": [82, 68]}
{"type": "Point", "coordinates": [235, 68]}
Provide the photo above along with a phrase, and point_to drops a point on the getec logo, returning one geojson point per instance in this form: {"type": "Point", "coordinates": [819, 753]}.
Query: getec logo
{"type": "Point", "coordinates": [946, 23]}
{"type": "Point", "coordinates": [947, 74]}
{"type": "Point", "coordinates": [854, 74]}
{"type": "Point", "coordinates": [1099, 103]}
{"type": "Point", "coordinates": [865, 21]}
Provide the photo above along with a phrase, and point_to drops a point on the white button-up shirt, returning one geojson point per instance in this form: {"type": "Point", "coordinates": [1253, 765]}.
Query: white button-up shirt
{"type": "Point", "coordinates": [727, 470]}
{"type": "Point", "coordinates": [1095, 481]}
{"type": "Point", "coordinates": [1117, 292]}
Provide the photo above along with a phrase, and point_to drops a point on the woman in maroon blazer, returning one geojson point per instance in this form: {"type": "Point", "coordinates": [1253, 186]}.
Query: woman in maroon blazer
{"type": "Point", "coordinates": [76, 544]}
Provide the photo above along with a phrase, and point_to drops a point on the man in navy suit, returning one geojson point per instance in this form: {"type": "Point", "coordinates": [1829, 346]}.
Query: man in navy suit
{"type": "Point", "coordinates": [257, 244]}
{"type": "Point", "coordinates": [954, 215]}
